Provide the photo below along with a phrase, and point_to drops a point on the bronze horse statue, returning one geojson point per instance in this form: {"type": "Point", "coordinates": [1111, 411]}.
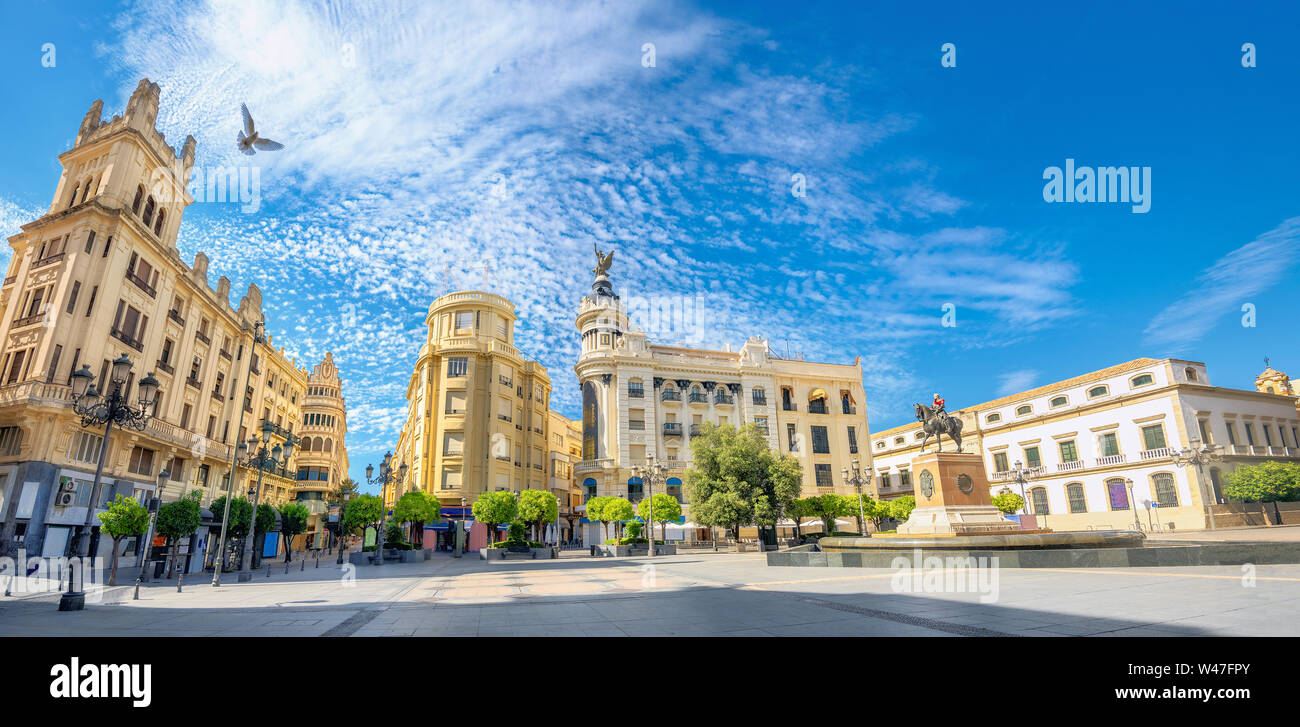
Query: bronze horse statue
{"type": "Point", "coordinates": [938, 425]}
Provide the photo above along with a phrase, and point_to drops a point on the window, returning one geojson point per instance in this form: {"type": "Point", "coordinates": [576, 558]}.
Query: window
{"type": "Point", "coordinates": [993, 418]}
{"type": "Point", "coordinates": [1059, 401]}
{"type": "Point", "coordinates": [453, 443]}
{"type": "Point", "coordinates": [450, 478]}
{"type": "Point", "coordinates": [820, 441]}
{"type": "Point", "coordinates": [1204, 427]}
{"type": "Point", "coordinates": [455, 402]}
{"type": "Point", "coordinates": [1250, 433]}
{"type": "Point", "coordinates": [636, 389]}
{"type": "Point", "coordinates": [898, 440]}
{"type": "Point", "coordinates": [1038, 496]}
{"type": "Point", "coordinates": [457, 366]}
{"type": "Point", "coordinates": [884, 480]}
{"type": "Point", "coordinates": [817, 406]}
{"type": "Point", "coordinates": [1032, 457]}
{"type": "Point", "coordinates": [11, 440]}
{"type": "Point", "coordinates": [85, 447]}
{"type": "Point", "coordinates": [635, 490]}
{"type": "Point", "coordinates": [135, 205]}
{"type": "Point", "coordinates": [1069, 453]}
{"type": "Point", "coordinates": [1190, 373]}
{"type": "Point", "coordinates": [1141, 380]}
{"type": "Point", "coordinates": [1166, 492]}
{"type": "Point", "coordinates": [760, 396]}
{"type": "Point", "coordinates": [1000, 462]}
{"type": "Point", "coordinates": [904, 478]}
{"type": "Point", "coordinates": [792, 436]}
{"type": "Point", "coordinates": [141, 462]}
{"type": "Point", "coordinates": [823, 474]}
{"type": "Point", "coordinates": [1108, 444]}
{"type": "Point", "coordinates": [1078, 503]}
{"type": "Point", "coordinates": [1097, 391]}
{"type": "Point", "coordinates": [853, 440]}
{"type": "Point", "coordinates": [464, 319]}
{"type": "Point", "coordinates": [72, 296]}
{"type": "Point", "coordinates": [1153, 437]}
{"type": "Point", "coordinates": [1117, 493]}
{"type": "Point", "coordinates": [1232, 433]}
{"type": "Point", "coordinates": [1025, 410]}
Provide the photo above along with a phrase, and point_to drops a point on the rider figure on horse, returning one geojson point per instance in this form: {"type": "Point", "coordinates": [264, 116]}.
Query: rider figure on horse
{"type": "Point", "coordinates": [937, 408]}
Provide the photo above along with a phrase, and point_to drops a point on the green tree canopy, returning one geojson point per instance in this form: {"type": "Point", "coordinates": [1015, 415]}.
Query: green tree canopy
{"type": "Point", "coordinates": [736, 479]}
{"type": "Point", "coordinates": [1264, 482]}
{"type": "Point", "coordinates": [293, 521]}
{"type": "Point", "coordinates": [416, 508]}
{"type": "Point", "coordinates": [124, 517]}
{"type": "Point", "coordinates": [1008, 502]}
{"type": "Point", "coordinates": [362, 510]}
{"type": "Point", "coordinates": [537, 507]}
{"type": "Point", "coordinates": [900, 508]}
{"type": "Point", "coordinates": [241, 512]}
{"type": "Point", "coordinates": [830, 506]}
{"type": "Point", "coordinates": [345, 487]}
{"type": "Point", "coordinates": [179, 519]}
{"type": "Point", "coordinates": [266, 517]}
{"type": "Point", "coordinates": [619, 510]}
{"type": "Point", "coordinates": [494, 508]}
{"type": "Point", "coordinates": [666, 510]}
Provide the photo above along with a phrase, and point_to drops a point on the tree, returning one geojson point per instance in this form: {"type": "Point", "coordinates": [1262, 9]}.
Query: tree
{"type": "Point", "coordinates": [362, 510]}
{"type": "Point", "coordinates": [494, 508]}
{"type": "Point", "coordinates": [859, 509]}
{"type": "Point", "coordinates": [293, 520]}
{"type": "Point", "coordinates": [797, 510]}
{"type": "Point", "coordinates": [1008, 502]}
{"type": "Point", "coordinates": [537, 507]}
{"type": "Point", "coordinates": [900, 508]}
{"type": "Point", "coordinates": [178, 520]}
{"type": "Point", "coordinates": [828, 507]}
{"type": "Point", "coordinates": [241, 512]}
{"type": "Point", "coordinates": [337, 495]}
{"type": "Point", "coordinates": [619, 510]}
{"type": "Point", "coordinates": [1265, 482]}
{"type": "Point", "coordinates": [266, 519]}
{"type": "Point", "coordinates": [666, 509]}
{"type": "Point", "coordinates": [596, 511]}
{"type": "Point", "coordinates": [737, 480]}
{"type": "Point", "coordinates": [416, 508]}
{"type": "Point", "coordinates": [124, 517]}
{"type": "Point", "coordinates": [878, 511]}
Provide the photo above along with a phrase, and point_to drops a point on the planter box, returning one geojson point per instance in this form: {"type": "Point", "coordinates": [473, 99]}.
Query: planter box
{"type": "Point", "coordinates": [544, 553]}
{"type": "Point", "coordinates": [410, 556]}
{"type": "Point", "coordinates": [356, 558]}
{"type": "Point", "coordinates": [491, 554]}
{"type": "Point", "coordinates": [428, 553]}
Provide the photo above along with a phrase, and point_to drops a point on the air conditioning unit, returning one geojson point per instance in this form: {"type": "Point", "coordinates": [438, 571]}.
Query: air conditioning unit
{"type": "Point", "coordinates": [65, 499]}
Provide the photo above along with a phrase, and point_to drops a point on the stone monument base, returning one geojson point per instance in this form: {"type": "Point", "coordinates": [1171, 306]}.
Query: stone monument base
{"type": "Point", "coordinates": [958, 520]}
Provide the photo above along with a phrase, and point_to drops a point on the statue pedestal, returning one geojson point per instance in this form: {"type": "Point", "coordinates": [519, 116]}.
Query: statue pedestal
{"type": "Point", "coordinates": [952, 498]}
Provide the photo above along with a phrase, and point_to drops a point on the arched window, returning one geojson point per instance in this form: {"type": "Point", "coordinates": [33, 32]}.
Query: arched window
{"type": "Point", "coordinates": [588, 489]}
{"type": "Point", "coordinates": [157, 226]}
{"type": "Point", "coordinates": [674, 488]}
{"type": "Point", "coordinates": [993, 418]}
{"type": "Point", "coordinates": [1117, 493]}
{"type": "Point", "coordinates": [73, 199]}
{"type": "Point", "coordinates": [85, 193]}
{"type": "Point", "coordinates": [139, 196]}
{"type": "Point", "coordinates": [1097, 391]}
{"type": "Point", "coordinates": [1059, 401]}
{"type": "Point", "coordinates": [1190, 373]}
{"type": "Point", "coordinates": [1038, 497]}
{"type": "Point", "coordinates": [148, 211]}
{"type": "Point", "coordinates": [1166, 492]}
{"type": "Point", "coordinates": [1025, 410]}
{"type": "Point", "coordinates": [1141, 380]}
{"type": "Point", "coordinates": [635, 490]}
{"type": "Point", "coordinates": [329, 445]}
{"type": "Point", "coordinates": [1078, 501]}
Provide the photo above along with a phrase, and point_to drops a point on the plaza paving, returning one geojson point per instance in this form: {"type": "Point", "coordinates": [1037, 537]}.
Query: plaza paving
{"type": "Point", "coordinates": [685, 595]}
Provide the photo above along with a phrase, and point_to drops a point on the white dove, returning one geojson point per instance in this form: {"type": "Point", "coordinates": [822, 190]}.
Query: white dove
{"type": "Point", "coordinates": [248, 137]}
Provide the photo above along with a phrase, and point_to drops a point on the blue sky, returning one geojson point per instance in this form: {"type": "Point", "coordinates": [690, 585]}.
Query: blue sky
{"type": "Point", "coordinates": [435, 146]}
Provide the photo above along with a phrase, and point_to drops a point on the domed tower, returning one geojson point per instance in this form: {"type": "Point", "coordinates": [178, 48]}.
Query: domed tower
{"type": "Point", "coordinates": [602, 320]}
{"type": "Point", "coordinates": [322, 455]}
{"type": "Point", "coordinates": [1272, 381]}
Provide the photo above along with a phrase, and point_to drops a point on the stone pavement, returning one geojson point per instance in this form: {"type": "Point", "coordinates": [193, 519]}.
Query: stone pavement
{"type": "Point", "coordinates": [1275, 533]}
{"type": "Point", "coordinates": [689, 595]}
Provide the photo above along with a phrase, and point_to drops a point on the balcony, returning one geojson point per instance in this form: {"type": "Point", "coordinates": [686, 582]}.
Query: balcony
{"type": "Point", "coordinates": [724, 398]}
{"type": "Point", "coordinates": [670, 395]}
{"type": "Point", "coordinates": [636, 425]}
{"type": "Point", "coordinates": [124, 337]}
{"type": "Point", "coordinates": [1110, 460]}
{"type": "Point", "coordinates": [203, 337]}
{"type": "Point", "coordinates": [279, 431]}
{"type": "Point", "coordinates": [28, 320]}
{"type": "Point", "coordinates": [1158, 453]}
{"type": "Point", "coordinates": [141, 283]}
{"type": "Point", "coordinates": [1069, 466]}
{"type": "Point", "coordinates": [850, 409]}
{"type": "Point", "coordinates": [508, 383]}
{"type": "Point", "coordinates": [47, 261]}
{"type": "Point", "coordinates": [698, 398]}
{"type": "Point", "coordinates": [817, 407]}
{"type": "Point", "coordinates": [225, 354]}
{"type": "Point", "coordinates": [588, 466]}
{"type": "Point", "coordinates": [175, 315]}
{"type": "Point", "coordinates": [789, 406]}
{"type": "Point", "coordinates": [696, 430]}
{"type": "Point", "coordinates": [164, 366]}
{"type": "Point", "coordinates": [216, 394]}
{"type": "Point", "coordinates": [672, 429]}
{"type": "Point", "coordinates": [760, 401]}
{"type": "Point", "coordinates": [505, 417]}
{"type": "Point", "coordinates": [193, 382]}
{"type": "Point", "coordinates": [637, 393]}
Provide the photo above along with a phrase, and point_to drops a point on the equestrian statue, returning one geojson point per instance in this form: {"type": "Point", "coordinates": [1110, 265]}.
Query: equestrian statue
{"type": "Point", "coordinates": [936, 420]}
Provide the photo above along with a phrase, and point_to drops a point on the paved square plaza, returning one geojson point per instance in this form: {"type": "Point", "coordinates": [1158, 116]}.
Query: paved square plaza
{"type": "Point", "coordinates": [703, 594]}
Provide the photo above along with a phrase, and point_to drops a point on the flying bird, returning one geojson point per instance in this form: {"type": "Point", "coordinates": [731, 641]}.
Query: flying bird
{"type": "Point", "coordinates": [248, 138]}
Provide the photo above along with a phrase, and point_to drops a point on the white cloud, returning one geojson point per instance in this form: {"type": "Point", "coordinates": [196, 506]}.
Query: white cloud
{"type": "Point", "coordinates": [1012, 382]}
{"type": "Point", "coordinates": [1221, 290]}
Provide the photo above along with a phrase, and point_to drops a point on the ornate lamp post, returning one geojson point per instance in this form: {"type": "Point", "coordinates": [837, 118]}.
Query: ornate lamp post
{"type": "Point", "coordinates": [854, 478]}
{"type": "Point", "coordinates": [259, 336]}
{"type": "Point", "coordinates": [1132, 503]}
{"type": "Point", "coordinates": [104, 410]}
{"type": "Point", "coordinates": [1200, 454]}
{"type": "Point", "coordinates": [651, 474]}
{"type": "Point", "coordinates": [152, 504]}
{"type": "Point", "coordinates": [1020, 476]}
{"type": "Point", "coordinates": [263, 460]}
{"type": "Point", "coordinates": [387, 476]}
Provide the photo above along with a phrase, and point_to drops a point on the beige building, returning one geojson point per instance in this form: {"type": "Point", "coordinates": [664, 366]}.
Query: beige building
{"type": "Point", "coordinates": [641, 399]}
{"type": "Point", "coordinates": [322, 455]}
{"type": "Point", "coordinates": [1272, 381]}
{"type": "Point", "coordinates": [477, 409]}
{"type": "Point", "coordinates": [565, 450]}
{"type": "Point", "coordinates": [99, 276]}
{"type": "Point", "coordinates": [1097, 450]}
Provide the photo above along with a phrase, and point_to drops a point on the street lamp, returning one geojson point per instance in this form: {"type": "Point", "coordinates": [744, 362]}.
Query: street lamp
{"type": "Point", "coordinates": [152, 505]}
{"type": "Point", "coordinates": [104, 410]}
{"type": "Point", "coordinates": [1200, 454]}
{"type": "Point", "coordinates": [651, 474]}
{"type": "Point", "coordinates": [263, 460]}
{"type": "Point", "coordinates": [1020, 476]}
{"type": "Point", "coordinates": [854, 478]}
{"type": "Point", "coordinates": [557, 520]}
{"type": "Point", "coordinates": [387, 476]}
{"type": "Point", "coordinates": [1137, 523]}
{"type": "Point", "coordinates": [259, 336]}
